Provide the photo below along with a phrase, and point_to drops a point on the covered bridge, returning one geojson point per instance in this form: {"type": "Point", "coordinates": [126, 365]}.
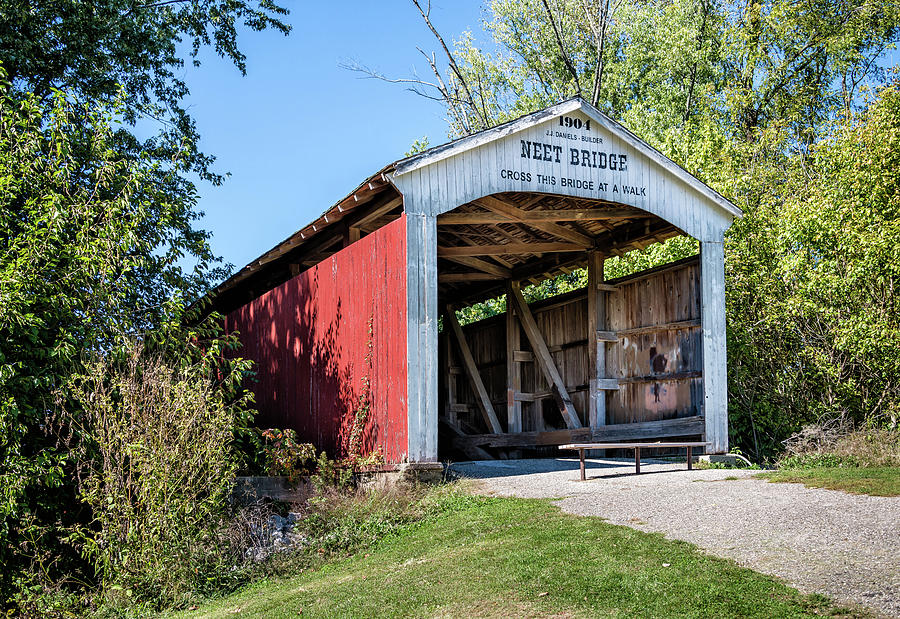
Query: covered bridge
{"type": "Point", "coordinates": [352, 317]}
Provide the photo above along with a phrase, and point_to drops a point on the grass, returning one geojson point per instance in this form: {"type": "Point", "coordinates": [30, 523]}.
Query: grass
{"type": "Point", "coordinates": [493, 557]}
{"type": "Point", "coordinates": [876, 481]}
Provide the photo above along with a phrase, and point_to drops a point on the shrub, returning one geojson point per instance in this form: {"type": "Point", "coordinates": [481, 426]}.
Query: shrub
{"type": "Point", "coordinates": [836, 444]}
{"type": "Point", "coordinates": [156, 467]}
{"type": "Point", "coordinates": [285, 455]}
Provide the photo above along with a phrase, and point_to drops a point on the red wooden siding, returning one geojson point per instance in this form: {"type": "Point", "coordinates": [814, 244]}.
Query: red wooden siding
{"type": "Point", "coordinates": [311, 338]}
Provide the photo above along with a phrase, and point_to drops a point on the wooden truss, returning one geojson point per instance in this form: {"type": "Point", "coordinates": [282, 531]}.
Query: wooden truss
{"type": "Point", "coordinates": [502, 242]}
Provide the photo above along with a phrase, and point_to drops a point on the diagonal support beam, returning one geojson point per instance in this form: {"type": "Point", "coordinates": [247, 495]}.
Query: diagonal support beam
{"type": "Point", "coordinates": [542, 355]}
{"type": "Point", "coordinates": [377, 212]}
{"type": "Point", "coordinates": [481, 394]}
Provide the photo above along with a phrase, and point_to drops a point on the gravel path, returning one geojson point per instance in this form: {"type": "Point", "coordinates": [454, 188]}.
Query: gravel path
{"type": "Point", "coordinates": [820, 541]}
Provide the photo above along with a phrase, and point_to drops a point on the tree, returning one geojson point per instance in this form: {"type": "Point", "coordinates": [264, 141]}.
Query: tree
{"type": "Point", "coordinates": [813, 278]}
{"type": "Point", "coordinates": [127, 53]}
{"type": "Point", "coordinates": [82, 229]}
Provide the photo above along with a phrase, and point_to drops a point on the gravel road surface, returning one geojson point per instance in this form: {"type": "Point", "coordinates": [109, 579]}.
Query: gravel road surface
{"type": "Point", "coordinates": [820, 541]}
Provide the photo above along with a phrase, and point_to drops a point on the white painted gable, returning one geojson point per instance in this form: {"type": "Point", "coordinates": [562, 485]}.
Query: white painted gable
{"type": "Point", "coordinates": [569, 149]}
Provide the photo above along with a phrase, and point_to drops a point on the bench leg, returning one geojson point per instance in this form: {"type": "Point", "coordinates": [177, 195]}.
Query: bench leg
{"type": "Point", "coordinates": [637, 460]}
{"type": "Point", "coordinates": [581, 463]}
{"type": "Point", "coordinates": [690, 459]}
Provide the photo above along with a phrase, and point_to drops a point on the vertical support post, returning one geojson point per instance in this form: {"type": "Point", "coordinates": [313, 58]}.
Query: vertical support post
{"type": "Point", "coordinates": [596, 349]}
{"type": "Point", "coordinates": [715, 376]}
{"type": "Point", "coordinates": [421, 337]}
{"type": "Point", "coordinates": [513, 373]}
{"type": "Point", "coordinates": [449, 376]}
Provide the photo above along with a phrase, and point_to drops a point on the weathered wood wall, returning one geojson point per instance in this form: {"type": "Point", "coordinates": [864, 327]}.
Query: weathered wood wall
{"type": "Point", "coordinates": [657, 359]}
{"type": "Point", "coordinates": [318, 338]}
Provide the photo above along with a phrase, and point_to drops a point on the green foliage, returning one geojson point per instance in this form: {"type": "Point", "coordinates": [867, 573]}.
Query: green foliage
{"type": "Point", "coordinates": [285, 455]}
{"type": "Point", "coordinates": [97, 227]}
{"type": "Point", "coordinates": [154, 459]}
{"type": "Point", "coordinates": [331, 474]}
{"type": "Point", "coordinates": [93, 50]}
{"type": "Point", "coordinates": [816, 460]}
{"type": "Point", "coordinates": [418, 146]}
{"type": "Point", "coordinates": [874, 481]}
{"type": "Point", "coordinates": [72, 258]}
{"type": "Point", "coordinates": [812, 276]}
{"type": "Point", "coordinates": [88, 261]}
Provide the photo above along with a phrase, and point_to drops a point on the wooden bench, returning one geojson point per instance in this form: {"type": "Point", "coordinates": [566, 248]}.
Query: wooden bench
{"type": "Point", "coordinates": [581, 447]}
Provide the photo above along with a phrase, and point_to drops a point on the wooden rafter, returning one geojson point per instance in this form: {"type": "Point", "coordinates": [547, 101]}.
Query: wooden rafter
{"type": "Point", "coordinates": [508, 249]}
{"type": "Point", "coordinates": [539, 216]}
{"type": "Point", "coordinates": [481, 265]}
{"type": "Point", "coordinates": [377, 212]}
{"type": "Point", "coordinates": [450, 278]}
{"type": "Point", "coordinates": [496, 205]}
{"type": "Point", "coordinates": [466, 239]}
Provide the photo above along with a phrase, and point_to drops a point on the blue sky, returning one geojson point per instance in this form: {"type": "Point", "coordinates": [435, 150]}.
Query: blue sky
{"type": "Point", "coordinates": [299, 132]}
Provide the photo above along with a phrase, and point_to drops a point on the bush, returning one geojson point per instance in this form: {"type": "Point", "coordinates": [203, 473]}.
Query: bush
{"type": "Point", "coordinates": [285, 455]}
{"type": "Point", "coordinates": [836, 444]}
{"type": "Point", "coordinates": [156, 467]}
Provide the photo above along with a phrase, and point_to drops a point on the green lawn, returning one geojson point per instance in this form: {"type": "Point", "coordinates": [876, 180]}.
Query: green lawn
{"type": "Point", "coordinates": [492, 557]}
{"type": "Point", "coordinates": [877, 481]}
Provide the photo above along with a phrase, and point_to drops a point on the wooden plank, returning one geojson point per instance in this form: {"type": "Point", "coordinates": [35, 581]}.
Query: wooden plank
{"type": "Point", "coordinates": [656, 378]}
{"type": "Point", "coordinates": [632, 445]}
{"type": "Point", "coordinates": [450, 278]}
{"type": "Point", "coordinates": [513, 371]}
{"type": "Point", "coordinates": [607, 336]}
{"type": "Point", "coordinates": [482, 397]}
{"type": "Point", "coordinates": [685, 426]}
{"type": "Point", "coordinates": [421, 340]}
{"type": "Point", "coordinates": [522, 356]}
{"type": "Point", "coordinates": [446, 361]}
{"type": "Point", "coordinates": [468, 448]}
{"type": "Point", "coordinates": [545, 361]}
{"type": "Point", "coordinates": [504, 208]}
{"type": "Point", "coordinates": [607, 288]}
{"type": "Point", "coordinates": [492, 218]}
{"type": "Point", "coordinates": [668, 326]}
{"type": "Point", "coordinates": [607, 384]}
{"type": "Point", "coordinates": [534, 397]}
{"type": "Point", "coordinates": [481, 265]}
{"type": "Point", "coordinates": [508, 248]}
